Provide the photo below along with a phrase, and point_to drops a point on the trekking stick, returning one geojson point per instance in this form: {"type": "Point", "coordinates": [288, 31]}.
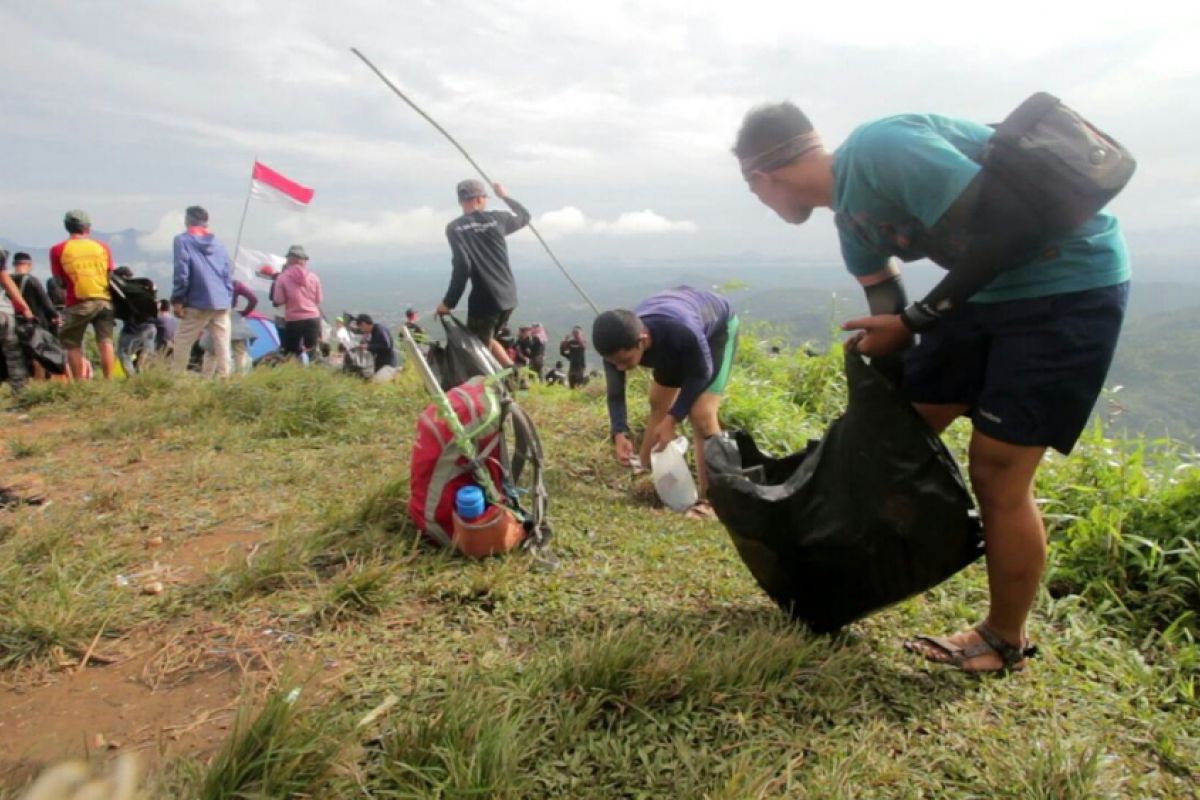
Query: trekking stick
{"type": "Point", "coordinates": [478, 169]}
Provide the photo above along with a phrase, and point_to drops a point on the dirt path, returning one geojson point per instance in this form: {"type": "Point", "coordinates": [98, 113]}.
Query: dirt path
{"type": "Point", "coordinates": [163, 689]}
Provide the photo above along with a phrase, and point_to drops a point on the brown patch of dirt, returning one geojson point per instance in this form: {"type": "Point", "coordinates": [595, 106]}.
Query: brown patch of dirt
{"type": "Point", "coordinates": [23, 425]}
{"type": "Point", "coordinates": [165, 689]}
{"type": "Point", "coordinates": [111, 709]}
{"type": "Point", "coordinates": [198, 555]}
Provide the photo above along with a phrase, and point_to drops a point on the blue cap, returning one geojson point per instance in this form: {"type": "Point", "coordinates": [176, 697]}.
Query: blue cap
{"type": "Point", "coordinates": [469, 502]}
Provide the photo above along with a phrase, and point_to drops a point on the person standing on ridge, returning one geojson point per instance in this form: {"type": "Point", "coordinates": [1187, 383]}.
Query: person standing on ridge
{"type": "Point", "coordinates": [202, 293]}
{"type": "Point", "coordinates": [689, 338]}
{"type": "Point", "coordinates": [82, 265]}
{"type": "Point", "coordinates": [240, 336]}
{"type": "Point", "coordinates": [298, 290]}
{"type": "Point", "coordinates": [1018, 336]}
{"type": "Point", "coordinates": [574, 349]}
{"type": "Point", "coordinates": [479, 253]}
{"type": "Point", "coordinates": [411, 321]}
{"type": "Point", "coordinates": [12, 356]}
{"type": "Point", "coordinates": [532, 350]}
{"type": "Point", "coordinates": [135, 344]}
{"type": "Point", "coordinates": [165, 326]}
{"type": "Point", "coordinates": [44, 312]}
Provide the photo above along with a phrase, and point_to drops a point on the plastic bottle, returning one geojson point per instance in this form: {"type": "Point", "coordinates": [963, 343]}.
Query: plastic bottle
{"type": "Point", "coordinates": [672, 478]}
{"type": "Point", "coordinates": [470, 503]}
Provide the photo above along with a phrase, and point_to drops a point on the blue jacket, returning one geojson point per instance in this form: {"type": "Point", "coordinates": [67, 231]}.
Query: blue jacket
{"type": "Point", "coordinates": [203, 273]}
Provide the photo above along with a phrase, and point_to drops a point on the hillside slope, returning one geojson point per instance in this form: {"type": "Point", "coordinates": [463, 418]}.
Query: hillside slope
{"type": "Point", "coordinates": [271, 511]}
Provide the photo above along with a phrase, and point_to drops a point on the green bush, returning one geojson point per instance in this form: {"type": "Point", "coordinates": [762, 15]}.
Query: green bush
{"type": "Point", "coordinates": [1142, 571]}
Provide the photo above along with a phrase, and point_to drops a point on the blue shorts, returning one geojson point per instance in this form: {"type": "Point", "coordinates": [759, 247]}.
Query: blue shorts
{"type": "Point", "coordinates": [1028, 370]}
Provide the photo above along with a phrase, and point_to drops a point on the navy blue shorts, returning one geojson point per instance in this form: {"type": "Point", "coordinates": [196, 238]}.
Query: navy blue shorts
{"type": "Point", "coordinates": [1028, 370]}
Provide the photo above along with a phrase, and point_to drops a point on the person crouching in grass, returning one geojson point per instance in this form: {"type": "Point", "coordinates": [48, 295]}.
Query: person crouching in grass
{"type": "Point", "coordinates": [688, 338]}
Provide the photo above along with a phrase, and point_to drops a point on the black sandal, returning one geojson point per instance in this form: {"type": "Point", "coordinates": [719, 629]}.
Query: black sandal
{"type": "Point", "coordinates": [1011, 655]}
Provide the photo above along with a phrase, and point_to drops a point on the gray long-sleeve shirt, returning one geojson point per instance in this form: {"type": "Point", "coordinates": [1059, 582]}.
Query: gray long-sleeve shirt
{"type": "Point", "coordinates": [479, 252]}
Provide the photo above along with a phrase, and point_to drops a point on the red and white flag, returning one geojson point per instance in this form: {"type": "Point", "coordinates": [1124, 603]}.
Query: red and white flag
{"type": "Point", "coordinates": [248, 266]}
{"type": "Point", "coordinates": [267, 184]}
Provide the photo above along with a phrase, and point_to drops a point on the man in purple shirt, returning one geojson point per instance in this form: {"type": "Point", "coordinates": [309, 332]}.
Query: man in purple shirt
{"type": "Point", "coordinates": [688, 338]}
{"type": "Point", "coordinates": [240, 335]}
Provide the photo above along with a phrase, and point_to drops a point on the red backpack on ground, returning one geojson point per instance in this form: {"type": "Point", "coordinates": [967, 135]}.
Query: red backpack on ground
{"type": "Point", "coordinates": [439, 469]}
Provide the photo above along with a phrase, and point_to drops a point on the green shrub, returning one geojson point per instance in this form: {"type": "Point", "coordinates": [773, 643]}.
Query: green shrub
{"type": "Point", "coordinates": [1142, 568]}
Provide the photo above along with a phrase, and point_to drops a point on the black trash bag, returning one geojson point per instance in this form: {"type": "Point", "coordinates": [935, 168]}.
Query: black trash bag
{"type": "Point", "coordinates": [43, 347]}
{"type": "Point", "coordinates": [135, 300]}
{"type": "Point", "coordinates": [873, 513]}
{"type": "Point", "coordinates": [461, 358]}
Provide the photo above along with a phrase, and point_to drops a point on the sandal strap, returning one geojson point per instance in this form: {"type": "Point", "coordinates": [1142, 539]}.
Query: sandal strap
{"type": "Point", "coordinates": [955, 654]}
{"type": "Point", "coordinates": [1011, 654]}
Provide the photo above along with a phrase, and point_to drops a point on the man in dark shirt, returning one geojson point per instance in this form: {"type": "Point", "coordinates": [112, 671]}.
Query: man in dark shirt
{"type": "Point", "coordinates": [532, 351]}
{"type": "Point", "coordinates": [379, 341]}
{"type": "Point", "coordinates": [574, 349]}
{"type": "Point", "coordinates": [12, 306]}
{"type": "Point", "coordinates": [44, 312]}
{"type": "Point", "coordinates": [688, 337]}
{"type": "Point", "coordinates": [57, 295]}
{"type": "Point", "coordinates": [479, 252]}
{"type": "Point", "coordinates": [414, 327]}
{"type": "Point", "coordinates": [137, 340]}
{"type": "Point", "coordinates": [165, 326]}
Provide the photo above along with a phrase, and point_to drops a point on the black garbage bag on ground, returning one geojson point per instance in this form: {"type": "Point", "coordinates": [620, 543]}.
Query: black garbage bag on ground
{"type": "Point", "coordinates": [874, 512]}
{"type": "Point", "coordinates": [461, 358]}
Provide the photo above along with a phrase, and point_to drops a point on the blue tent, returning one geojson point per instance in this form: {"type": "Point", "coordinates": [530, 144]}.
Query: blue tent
{"type": "Point", "coordinates": [266, 338]}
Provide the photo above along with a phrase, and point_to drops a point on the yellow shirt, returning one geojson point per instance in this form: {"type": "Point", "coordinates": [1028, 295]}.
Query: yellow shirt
{"type": "Point", "coordinates": [83, 265]}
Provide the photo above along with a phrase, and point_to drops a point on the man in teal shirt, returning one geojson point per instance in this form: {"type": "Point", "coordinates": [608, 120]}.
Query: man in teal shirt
{"type": "Point", "coordinates": [1018, 336]}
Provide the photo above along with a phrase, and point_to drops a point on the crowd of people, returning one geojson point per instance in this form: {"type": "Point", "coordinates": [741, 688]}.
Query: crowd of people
{"type": "Point", "coordinates": [203, 325]}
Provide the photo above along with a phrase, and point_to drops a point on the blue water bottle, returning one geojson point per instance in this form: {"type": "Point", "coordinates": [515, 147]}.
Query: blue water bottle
{"type": "Point", "coordinates": [470, 503]}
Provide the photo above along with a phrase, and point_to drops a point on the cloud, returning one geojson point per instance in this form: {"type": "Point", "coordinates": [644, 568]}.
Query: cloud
{"type": "Point", "coordinates": [162, 238]}
{"type": "Point", "coordinates": [418, 226]}
{"type": "Point", "coordinates": [571, 221]}
{"type": "Point", "coordinates": [425, 227]}
{"type": "Point", "coordinates": [637, 223]}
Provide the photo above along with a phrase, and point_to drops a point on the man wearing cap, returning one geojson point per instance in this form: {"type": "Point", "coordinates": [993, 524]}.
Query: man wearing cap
{"type": "Point", "coordinates": [298, 290]}
{"type": "Point", "coordinates": [82, 265]}
{"type": "Point", "coordinates": [202, 293]}
{"type": "Point", "coordinates": [1018, 341]}
{"type": "Point", "coordinates": [12, 357]}
{"type": "Point", "coordinates": [479, 252]}
{"type": "Point", "coordinates": [378, 343]}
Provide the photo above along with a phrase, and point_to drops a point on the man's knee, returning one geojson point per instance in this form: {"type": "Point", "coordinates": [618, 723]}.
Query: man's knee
{"type": "Point", "coordinates": [703, 415]}
{"type": "Point", "coordinates": [1002, 474]}
{"type": "Point", "coordinates": [661, 398]}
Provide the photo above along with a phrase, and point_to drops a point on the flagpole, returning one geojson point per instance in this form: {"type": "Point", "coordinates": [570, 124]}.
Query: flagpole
{"type": "Point", "coordinates": [237, 245]}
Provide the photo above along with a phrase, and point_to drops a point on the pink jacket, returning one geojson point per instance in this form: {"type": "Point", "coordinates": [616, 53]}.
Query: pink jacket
{"type": "Point", "coordinates": [298, 290]}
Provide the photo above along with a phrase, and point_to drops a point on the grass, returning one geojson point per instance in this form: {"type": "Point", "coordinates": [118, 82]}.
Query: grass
{"type": "Point", "coordinates": [648, 665]}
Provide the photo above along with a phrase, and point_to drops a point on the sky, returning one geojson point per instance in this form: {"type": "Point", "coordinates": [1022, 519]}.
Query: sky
{"type": "Point", "coordinates": [611, 121]}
